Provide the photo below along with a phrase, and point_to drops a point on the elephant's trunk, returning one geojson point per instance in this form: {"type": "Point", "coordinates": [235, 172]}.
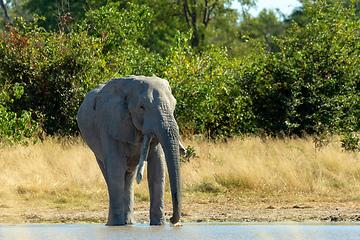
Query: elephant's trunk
{"type": "Point", "coordinates": [169, 140]}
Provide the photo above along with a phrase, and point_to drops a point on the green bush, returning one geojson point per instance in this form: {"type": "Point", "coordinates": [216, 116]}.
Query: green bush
{"type": "Point", "coordinates": [15, 128]}
{"type": "Point", "coordinates": [311, 84]}
{"type": "Point", "coordinates": [350, 142]}
{"type": "Point", "coordinates": [119, 31]}
{"type": "Point", "coordinates": [54, 70]}
{"type": "Point", "coordinates": [208, 100]}
{"type": "Point", "coordinates": [57, 69]}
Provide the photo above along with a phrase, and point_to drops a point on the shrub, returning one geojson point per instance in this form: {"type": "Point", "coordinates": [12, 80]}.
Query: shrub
{"type": "Point", "coordinates": [54, 70]}
{"type": "Point", "coordinates": [311, 85]}
{"type": "Point", "coordinates": [57, 69]}
{"type": "Point", "coordinates": [350, 142]}
{"type": "Point", "coordinates": [15, 128]}
{"type": "Point", "coordinates": [119, 31]}
{"type": "Point", "coordinates": [208, 101]}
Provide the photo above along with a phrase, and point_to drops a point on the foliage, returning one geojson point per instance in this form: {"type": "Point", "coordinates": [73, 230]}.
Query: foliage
{"type": "Point", "coordinates": [57, 69]}
{"type": "Point", "coordinates": [119, 33]}
{"type": "Point", "coordinates": [264, 26]}
{"type": "Point", "coordinates": [208, 101]}
{"type": "Point", "coordinates": [54, 70]}
{"type": "Point", "coordinates": [350, 142]}
{"type": "Point", "coordinates": [15, 128]}
{"type": "Point", "coordinates": [60, 14]}
{"type": "Point", "coordinates": [190, 154]}
{"type": "Point", "coordinates": [207, 18]}
{"type": "Point", "coordinates": [311, 85]}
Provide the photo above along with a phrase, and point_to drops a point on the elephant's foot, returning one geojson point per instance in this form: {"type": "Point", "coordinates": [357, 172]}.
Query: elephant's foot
{"type": "Point", "coordinates": [114, 224]}
{"type": "Point", "coordinates": [157, 219]}
{"type": "Point", "coordinates": [157, 223]}
{"type": "Point", "coordinates": [128, 222]}
{"type": "Point", "coordinates": [115, 220]}
{"type": "Point", "coordinates": [178, 224]}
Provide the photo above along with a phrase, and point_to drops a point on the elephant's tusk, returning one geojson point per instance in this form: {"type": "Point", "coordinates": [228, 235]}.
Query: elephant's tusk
{"type": "Point", "coordinates": [143, 158]}
{"type": "Point", "coordinates": [182, 149]}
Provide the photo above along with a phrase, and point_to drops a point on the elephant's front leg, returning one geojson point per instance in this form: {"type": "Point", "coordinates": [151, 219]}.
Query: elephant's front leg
{"type": "Point", "coordinates": [115, 166]}
{"type": "Point", "coordinates": [156, 181]}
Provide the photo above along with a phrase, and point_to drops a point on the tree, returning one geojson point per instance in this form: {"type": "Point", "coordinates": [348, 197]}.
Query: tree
{"type": "Point", "coordinates": [203, 17]}
{"type": "Point", "coordinates": [266, 25]}
{"type": "Point", "coordinates": [311, 85]}
{"type": "Point", "coordinates": [246, 5]}
{"type": "Point", "coordinates": [302, 19]}
{"type": "Point", "coordinates": [60, 14]}
{"type": "Point", "coordinates": [200, 13]}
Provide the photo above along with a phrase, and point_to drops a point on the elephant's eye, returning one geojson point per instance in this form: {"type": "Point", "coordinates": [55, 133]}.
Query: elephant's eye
{"type": "Point", "coordinates": [141, 109]}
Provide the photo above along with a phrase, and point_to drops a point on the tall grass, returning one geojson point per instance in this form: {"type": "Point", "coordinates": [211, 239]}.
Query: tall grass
{"type": "Point", "coordinates": [67, 173]}
{"type": "Point", "coordinates": [52, 171]}
{"type": "Point", "coordinates": [274, 166]}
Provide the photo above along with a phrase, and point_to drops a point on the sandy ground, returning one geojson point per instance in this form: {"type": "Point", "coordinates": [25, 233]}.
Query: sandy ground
{"type": "Point", "coordinates": [197, 212]}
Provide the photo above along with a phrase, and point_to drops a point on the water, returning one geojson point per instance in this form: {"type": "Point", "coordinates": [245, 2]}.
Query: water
{"type": "Point", "coordinates": [188, 231]}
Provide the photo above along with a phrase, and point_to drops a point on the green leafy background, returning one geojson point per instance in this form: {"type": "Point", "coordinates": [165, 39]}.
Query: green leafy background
{"type": "Point", "coordinates": [305, 81]}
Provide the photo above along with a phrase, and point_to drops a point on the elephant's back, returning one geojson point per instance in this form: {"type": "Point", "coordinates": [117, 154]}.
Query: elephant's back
{"type": "Point", "coordinates": [86, 110]}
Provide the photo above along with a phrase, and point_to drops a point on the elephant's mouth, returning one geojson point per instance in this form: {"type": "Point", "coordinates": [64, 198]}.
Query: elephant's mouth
{"type": "Point", "coordinates": [152, 135]}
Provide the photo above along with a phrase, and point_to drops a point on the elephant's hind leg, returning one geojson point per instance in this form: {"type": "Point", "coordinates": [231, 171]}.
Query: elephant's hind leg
{"type": "Point", "coordinates": [129, 197]}
{"type": "Point", "coordinates": [115, 168]}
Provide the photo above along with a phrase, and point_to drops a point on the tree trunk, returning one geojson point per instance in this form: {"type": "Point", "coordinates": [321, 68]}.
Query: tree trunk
{"type": "Point", "coordinates": [5, 11]}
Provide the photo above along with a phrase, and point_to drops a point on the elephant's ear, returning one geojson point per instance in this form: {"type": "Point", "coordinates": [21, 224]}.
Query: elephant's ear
{"type": "Point", "coordinates": [112, 114]}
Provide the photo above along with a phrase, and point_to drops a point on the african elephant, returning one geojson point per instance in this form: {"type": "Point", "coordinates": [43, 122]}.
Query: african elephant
{"type": "Point", "coordinates": [127, 119]}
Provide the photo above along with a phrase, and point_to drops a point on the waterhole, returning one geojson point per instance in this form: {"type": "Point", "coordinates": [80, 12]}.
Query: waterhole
{"type": "Point", "coordinates": [187, 231]}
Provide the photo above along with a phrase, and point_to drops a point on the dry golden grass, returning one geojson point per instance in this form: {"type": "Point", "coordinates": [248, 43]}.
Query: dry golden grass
{"type": "Point", "coordinates": [67, 175]}
{"type": "Point", "coordinates": [50, 171]}
{"type": "Point", "coordinates": [274, 167]}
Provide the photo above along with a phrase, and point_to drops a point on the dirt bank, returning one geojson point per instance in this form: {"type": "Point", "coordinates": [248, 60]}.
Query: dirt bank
{"type": "Point", "coordinates": [197, 212]}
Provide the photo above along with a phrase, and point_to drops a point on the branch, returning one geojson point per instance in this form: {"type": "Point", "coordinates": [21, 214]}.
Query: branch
{"type": "Point", "coordinates": [205, 13]}
{"type": "Point", "coordinates": [186, 12]}
{"type": "Point", "coordinates": [208, 10]}
{"type": "Point", "coordinates": [4, 7]}
{"type": "Point", "coordinates": [193, 15]}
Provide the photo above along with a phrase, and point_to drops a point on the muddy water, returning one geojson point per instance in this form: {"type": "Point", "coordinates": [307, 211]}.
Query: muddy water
{"type": "Point", "coordinates": [188, 231]}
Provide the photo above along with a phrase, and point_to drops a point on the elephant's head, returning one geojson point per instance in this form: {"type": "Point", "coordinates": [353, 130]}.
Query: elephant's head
{"type": "Point", "coordinates": [134, 108]}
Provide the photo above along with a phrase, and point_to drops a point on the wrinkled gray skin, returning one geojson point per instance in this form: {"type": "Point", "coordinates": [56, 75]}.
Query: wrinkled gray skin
{"type": "Point", "coordinates": [114, 120]}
